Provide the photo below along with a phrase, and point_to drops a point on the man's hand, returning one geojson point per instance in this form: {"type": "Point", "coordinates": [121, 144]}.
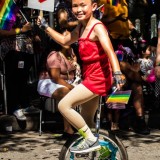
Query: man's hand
{"type": "Point", "coordinates": [26, 27]}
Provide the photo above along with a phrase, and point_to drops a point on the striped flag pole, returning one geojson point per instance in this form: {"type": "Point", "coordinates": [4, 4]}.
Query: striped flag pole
{"type": "Point", "coordinates": [22, 13]}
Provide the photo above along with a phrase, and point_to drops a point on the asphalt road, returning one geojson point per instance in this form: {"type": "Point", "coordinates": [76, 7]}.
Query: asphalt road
{"type": "Point", "coordinates": [30, 146]}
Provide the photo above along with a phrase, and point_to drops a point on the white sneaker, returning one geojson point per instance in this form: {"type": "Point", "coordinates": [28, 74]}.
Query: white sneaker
{"type": "Point", "coordinates": [19, 115]}
{"type": "Point", "coordinates": [30, 109]}
{"type": "Point", "coordinates": [85, 146]}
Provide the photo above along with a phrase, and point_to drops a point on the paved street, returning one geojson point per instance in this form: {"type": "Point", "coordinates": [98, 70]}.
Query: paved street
{"type": "Point", "coordinates": [30, 146]}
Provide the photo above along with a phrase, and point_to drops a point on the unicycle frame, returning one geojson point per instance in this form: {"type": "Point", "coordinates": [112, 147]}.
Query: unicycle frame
{"type": "Point", "coordinates": [97, 126]}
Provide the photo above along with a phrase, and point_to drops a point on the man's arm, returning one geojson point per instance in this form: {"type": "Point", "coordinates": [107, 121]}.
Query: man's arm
{"type": "Point", "coordinates": [14, 31]}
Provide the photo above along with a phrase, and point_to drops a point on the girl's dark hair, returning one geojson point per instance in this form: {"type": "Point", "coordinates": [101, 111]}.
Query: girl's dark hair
{"type": "Point", "coordinates": [54, 46]}
{"type": "Point", "coordinates": [154, 41]}
{"type": "Point", "coordinates": [143, 47]}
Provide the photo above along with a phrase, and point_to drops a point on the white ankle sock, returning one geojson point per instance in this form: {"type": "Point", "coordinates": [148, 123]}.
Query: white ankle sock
{"type": "Point", "coordinates": [86, 133]}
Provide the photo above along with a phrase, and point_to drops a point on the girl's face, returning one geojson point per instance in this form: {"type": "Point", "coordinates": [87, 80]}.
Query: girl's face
{"type": "Point", "coordinates": [147, 52]}
{"type": "Point", "coordinates": [83, 9]}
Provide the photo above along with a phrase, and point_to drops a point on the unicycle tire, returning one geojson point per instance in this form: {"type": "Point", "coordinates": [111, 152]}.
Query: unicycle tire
{"type": "Point", "coordinates": [108, 141]}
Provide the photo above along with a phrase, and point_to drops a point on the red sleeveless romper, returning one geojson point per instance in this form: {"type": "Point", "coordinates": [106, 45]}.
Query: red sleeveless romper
{"type": "Point", "coordinates": [96, 69]}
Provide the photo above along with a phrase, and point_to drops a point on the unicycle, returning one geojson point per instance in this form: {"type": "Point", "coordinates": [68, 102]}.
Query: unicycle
{"type": "Point", "coordinates": [111, 146]}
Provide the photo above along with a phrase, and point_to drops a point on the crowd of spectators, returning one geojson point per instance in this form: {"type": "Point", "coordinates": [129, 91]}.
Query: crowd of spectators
{"type": "Point", "coordinates": [137, 67]}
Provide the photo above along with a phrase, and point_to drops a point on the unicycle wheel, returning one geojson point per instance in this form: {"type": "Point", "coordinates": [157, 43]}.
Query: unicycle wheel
{"type": "Point", "coordinates": [111, 149]}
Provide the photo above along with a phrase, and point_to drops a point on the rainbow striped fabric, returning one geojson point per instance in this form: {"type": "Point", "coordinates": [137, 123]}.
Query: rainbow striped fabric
{"type": "Point", "coordinates": [119, 97]}
{"type": "Point", "coordinates": [8, 10]}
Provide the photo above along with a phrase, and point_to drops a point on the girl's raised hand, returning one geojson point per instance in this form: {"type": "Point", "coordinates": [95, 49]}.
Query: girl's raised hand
{"type": "Point", "coordinates": [41, 22]}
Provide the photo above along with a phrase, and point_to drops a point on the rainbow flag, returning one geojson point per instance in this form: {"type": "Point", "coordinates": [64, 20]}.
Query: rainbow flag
{"type": "Point", "coordinates": [119, 97]}
{"type": "Point", "coordinates": [8, 10]}
{"type": "Point", "coordinates": [113, 2]}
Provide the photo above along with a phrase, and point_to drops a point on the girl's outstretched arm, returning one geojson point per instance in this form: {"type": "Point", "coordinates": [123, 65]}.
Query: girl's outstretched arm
{"type": "Point", "coordinates": [59, 38]}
